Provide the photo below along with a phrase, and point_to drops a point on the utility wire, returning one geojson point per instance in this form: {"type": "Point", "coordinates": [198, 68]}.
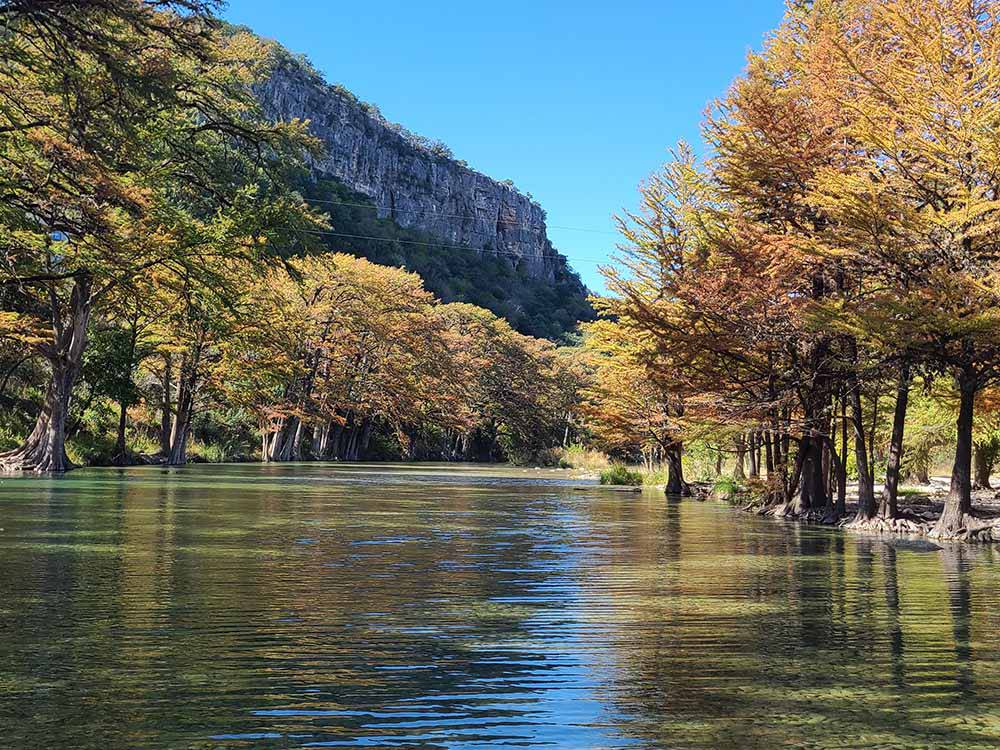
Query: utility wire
{"type": "Point", "coordinates": [443, 245]}
{"type": "Point", "coordinates": [390, 210]}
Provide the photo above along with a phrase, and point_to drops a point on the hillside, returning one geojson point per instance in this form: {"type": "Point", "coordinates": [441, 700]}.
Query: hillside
{"type": "Point", "coordinates": [408, 202]}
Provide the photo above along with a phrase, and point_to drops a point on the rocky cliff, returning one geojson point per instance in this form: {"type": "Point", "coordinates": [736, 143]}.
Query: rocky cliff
{"type": "Point", "coordinates": [414, 182]}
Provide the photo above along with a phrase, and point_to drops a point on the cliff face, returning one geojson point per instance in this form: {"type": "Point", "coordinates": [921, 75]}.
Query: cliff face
{"type": "Point", "coordinates": [415, 183]}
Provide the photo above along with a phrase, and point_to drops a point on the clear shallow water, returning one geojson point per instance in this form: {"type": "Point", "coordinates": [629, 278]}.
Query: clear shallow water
{"type": "Point", "coordinates": [467, 607]}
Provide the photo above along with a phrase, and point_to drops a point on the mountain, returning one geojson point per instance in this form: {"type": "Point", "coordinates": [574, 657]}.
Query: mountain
{"type": "Point", "coordinates": [401, 199]}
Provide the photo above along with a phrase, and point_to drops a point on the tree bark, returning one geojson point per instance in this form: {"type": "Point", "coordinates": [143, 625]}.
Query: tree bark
{"type": "Point", "coordinates": [866, 490]}
{"type": "Point", "coordinates": [270, 441]}
{"type": "Point", "coordinates": [810, 472]}
{"type": "Point", "coordinates": [321, 441]}
{"type": "Point", "coordinates": [958, 505]}
{"type": "Point", "coordinates": [166, 406]}
{"type": "Point", "coordinates": [121, 450]}
{"type": "Point", "coordinates": [366, 437]}
{"type": "Point", "coordinates": [287, 441]}
{"type": "Point", "coordinates": [352, 445]}
{"type": "Point", "coordinates": [337, 432]}
{"type": "Point", "coordinates": [45, 448]}
{"type": "Point", "coordinates": [768, 454]}
{"type": "Point", "coordinates": [827, 473]}
{"type": "Point", "coordinates": [841, 506]}
{"type": "Point", "coordinates": [675, 472]}
{"type": "Point", "coordinates": [739, 472]}
{"type": "Point", "coordinates": [838, 475]}
{"type": "Point", "coordinates": [888, 502]}
{"type": "Point", "coordinates": [981, 467]}
{"type": "Point", "coordinates": [182, 419]}
{"type": "Point", "coordinates": [923, 471]}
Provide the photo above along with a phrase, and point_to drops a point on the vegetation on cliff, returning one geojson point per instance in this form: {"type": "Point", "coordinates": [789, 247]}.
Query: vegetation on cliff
{"type": "Point", "coordinates": [534, 306]}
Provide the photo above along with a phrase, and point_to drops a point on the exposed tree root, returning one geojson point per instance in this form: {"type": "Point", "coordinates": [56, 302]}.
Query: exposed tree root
{"type": "Point", "coordinates": [39, 454]}
{"type": "Point", "coordinates": [967, 528]}
{"type": "Point", "coordinates": [902, 524]}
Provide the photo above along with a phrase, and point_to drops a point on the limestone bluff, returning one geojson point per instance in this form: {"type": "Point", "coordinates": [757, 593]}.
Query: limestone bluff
{"type": "Point", "coordinates": [412, 181]}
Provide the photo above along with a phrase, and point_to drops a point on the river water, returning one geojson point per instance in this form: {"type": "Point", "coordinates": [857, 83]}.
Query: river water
{"type": "Point", "coordinates": [425, 606]}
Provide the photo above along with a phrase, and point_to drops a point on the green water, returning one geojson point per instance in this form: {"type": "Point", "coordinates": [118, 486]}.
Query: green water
{"type": "Point", "coordinates": [467, 607]}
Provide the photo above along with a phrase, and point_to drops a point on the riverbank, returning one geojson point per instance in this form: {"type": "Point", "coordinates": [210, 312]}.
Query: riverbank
{"type": "Point", "coordinates": [920, 507]}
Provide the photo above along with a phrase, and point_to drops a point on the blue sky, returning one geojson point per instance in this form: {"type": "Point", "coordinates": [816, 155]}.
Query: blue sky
{"type": "Point", "coordinates": [577, 102]}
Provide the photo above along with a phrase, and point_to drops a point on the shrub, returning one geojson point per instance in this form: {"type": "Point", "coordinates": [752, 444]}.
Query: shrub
{"type": "Point", "coordinates": [621, 475]}
{"type": "Point", "coordinates": [658, 476]}
{"type": "Point", "coordinates": [579, 457]}
{"type": "Point", "coordinates": [727, 490]}
{"type": "Point", "coordinates": [88, 449]}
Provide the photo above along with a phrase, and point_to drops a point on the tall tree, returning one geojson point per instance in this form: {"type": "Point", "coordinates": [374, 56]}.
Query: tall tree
{"type": "Point", "coordinates": [129, 141]}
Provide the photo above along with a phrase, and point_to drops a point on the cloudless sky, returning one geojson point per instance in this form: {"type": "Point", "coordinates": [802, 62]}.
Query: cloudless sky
{"type": "Point", "coordinates": [577, 102]}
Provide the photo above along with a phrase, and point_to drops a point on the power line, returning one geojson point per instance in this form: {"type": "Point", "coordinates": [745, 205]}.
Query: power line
{"type": "Point", "coordinates": [391, 210]}
{"type": "Point", "coordinates": [442, 245]}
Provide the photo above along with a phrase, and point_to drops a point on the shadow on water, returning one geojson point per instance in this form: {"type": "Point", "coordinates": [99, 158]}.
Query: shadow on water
{"type": "Point", "coordinates": [428, 606]}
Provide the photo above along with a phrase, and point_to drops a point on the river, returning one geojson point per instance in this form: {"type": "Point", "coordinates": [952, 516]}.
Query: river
{"type": "Point", "coordinates": [430, 606]}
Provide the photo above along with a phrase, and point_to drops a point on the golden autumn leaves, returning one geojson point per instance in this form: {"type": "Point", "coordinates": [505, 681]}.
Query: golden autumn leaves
{"type": "Point", "coordinates": [841, 235]}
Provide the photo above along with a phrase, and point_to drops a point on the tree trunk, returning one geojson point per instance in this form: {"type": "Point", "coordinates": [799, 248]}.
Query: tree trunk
{"type": "Point", "coordinates": [817, 490]}
{"type": "Point", "coordinates": [121, 452]}
{"type": "Point", "coordinates": [366, 438]}
{"type": "Point", "coordinates": [842, 468]}
{"type": "Point", "coordinates": [45, 448]}
{"type": "Point", "coordinates": [754, 457]}
{"type": "Point", "coordinates": [166, 406]}
{"type": "Point", "coordinates": [958, 504]}
{"type": "Point", "coordinates": [866, 491]}
{"type": "Point", "coordinates": [336, 440]}
{"type": "Point", "coordinates": [922, 471]}
{"type": "Point", "coordinates": [182, 423]}
{"type": "Point", "coordinates": [287, 448]}
{"type": "Point", "coordinates": [739, 473]}
{"type": "Point", "coordinates": [321, 441]}
{"type": "Point", "coordinates": [888, 506]}
{"type": "Point", "coordinates": [827, 473]}
{"type": "Point", "coordinates": [808, 470]}
{"type": "Point", "coordinates": [270, 440]}
{"type": "Point", "coordinates": [981, 466]}
{"type": "Point", "coordinates": [871, 442]}
{"type": "Point", "coordinates": [283, 442]}
{"type": "Point", "coordinates": [838, 476]}
{"type": "Point", "coordinates": [675, 473]}
{"type": "Point", "coordinates": [187, 386]}
{"type": "Point", "coordinates": [295, 452]}
{"type": "Point", "coordinates": [352, 445]}
{"type": "Point", "coordinates": [768, 455]}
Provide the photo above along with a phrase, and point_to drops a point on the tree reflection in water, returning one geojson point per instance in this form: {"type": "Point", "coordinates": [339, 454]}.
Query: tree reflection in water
{"type": "Point", "coordinates": [289, 606]}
